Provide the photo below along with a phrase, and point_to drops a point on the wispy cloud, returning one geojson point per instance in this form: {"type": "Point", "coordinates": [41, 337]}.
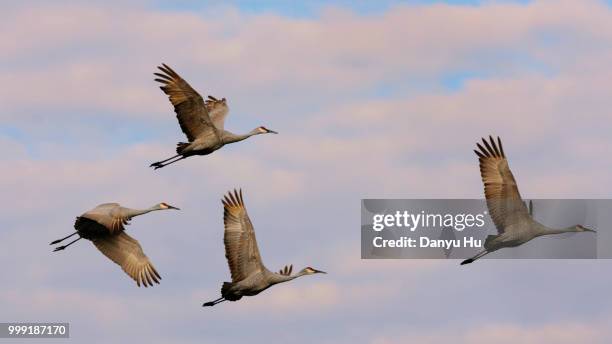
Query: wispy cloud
{"type": "Point", "coordinates": [363, 110]}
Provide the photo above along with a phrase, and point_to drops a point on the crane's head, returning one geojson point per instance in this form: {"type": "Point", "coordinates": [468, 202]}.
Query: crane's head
{"type": "Point", "coordinates": [581, 228]}
{"type": "Point", "coordinates": [164, 206]}
{"type": "Point", "coordinates": [311, 271]}
{"type": "Point", "coordinates": [264, 130]}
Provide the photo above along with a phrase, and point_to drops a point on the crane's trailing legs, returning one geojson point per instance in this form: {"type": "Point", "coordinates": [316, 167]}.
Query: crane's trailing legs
{"type": "Point", "coordinates": [212, 303]}
{"type": "Point", "coordinates": [59, 248]}
{"type": "Point", "coordinates": [478, 256]}
{"type": "Point", "coordinates": [62, 239]}
{"type": "Point", "coordinates": [161, 164]}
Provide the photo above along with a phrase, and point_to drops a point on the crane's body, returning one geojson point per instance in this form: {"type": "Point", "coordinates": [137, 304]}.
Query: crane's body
{"type": "Point", "coordinates": [252, 285]}
{"type": "Point", "coordinates": [249, 275]}
{"type": "Point", "coordinates": [202, 121]}
{"type": "Point", "coordinates": [209, 143]}
{"type": "Point", "coordinates": [513, 219]}
{"type": "Point", "coordinates": [104, 227]}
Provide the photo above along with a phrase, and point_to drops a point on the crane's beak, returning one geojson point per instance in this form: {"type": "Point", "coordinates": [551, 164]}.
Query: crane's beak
{"type": "Point", "coordinates": [171, 207]}
{"type": "Point", "coordinates": [590, 230]}
{"type": "Point", "coordinates": [272, 131]}
{"type": "Point", "coordinates": [319, 271]}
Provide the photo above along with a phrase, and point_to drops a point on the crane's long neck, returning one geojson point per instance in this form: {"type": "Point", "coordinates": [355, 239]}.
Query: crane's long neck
{"type": "Point", "coordinates": [549, 231]}
{"type": "Point", "coordinates": [135, 212]}
{"type": "Point", "coordinates": [278, 278]}
{"type": "Point", "coordinates": [229, 137]}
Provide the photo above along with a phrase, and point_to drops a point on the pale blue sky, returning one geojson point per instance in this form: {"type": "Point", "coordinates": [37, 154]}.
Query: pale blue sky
{"type": "Point", "coordinates": [309, 9]}
{"type": "Point", "coordinates": [480, 63]}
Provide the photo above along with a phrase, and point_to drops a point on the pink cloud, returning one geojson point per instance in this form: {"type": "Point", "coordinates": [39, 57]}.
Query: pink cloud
{"type": "Point", "coordinates": [338, 143]}
{"type": "Point", "coordinates": [571, 332]}
{"type": "Point", "coordinates": [248, 56]}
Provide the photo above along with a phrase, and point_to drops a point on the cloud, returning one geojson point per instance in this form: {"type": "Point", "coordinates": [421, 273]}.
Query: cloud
{"type": "Point", "coordinates": [510, 333]}
{"type": "Point", "coordinates": [362, 112]}
{"type": "Point", "coordinates": [247, 56]}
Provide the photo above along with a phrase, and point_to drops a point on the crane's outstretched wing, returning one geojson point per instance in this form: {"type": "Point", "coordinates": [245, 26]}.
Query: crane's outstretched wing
{"type": "Point", "coordinates": [127, 253]}
{"type": "Point", "coordinates": [502, 194]}
{"type": "Point", "coordinates": [286, 271]}
{"type": "Point", "coordinates": [218, 110]}
{"type": "Point", "coordinates": [108, 215]}
{"type": "Point", "coordinates": [189, 106]}
{"type": "Point", "coordinates": [241, 249]}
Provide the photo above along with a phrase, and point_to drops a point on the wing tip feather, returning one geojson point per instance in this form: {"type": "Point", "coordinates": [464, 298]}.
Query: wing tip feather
{"type": "Point", "coordinates": [233, 198]}
{"type": "Point", "coordinates": [490, 148]}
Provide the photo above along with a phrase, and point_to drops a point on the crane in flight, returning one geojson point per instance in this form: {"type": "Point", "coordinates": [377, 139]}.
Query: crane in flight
{"type": "Point", "coordinates": [201, 121]}
{"type": "Point", "coordinates": [514, 222]}
{"type": "Point", "coordinates": [104, 226]}
{"type": "Point", "coordinates": [249, 275]}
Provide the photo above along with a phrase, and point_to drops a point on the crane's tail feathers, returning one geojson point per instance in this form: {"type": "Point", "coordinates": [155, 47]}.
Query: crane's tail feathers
{"type": "Point", "coordinates": [228, 293]}
{"type": "Point", "coordinates": [489, 239]}
{"type": "Point", "coordinates": [180, 147]}
{"type": "Point", "coordinates": [225, 288]}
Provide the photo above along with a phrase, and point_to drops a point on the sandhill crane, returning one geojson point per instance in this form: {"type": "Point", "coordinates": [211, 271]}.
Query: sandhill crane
{"type": "Point", "coordinates": [249, 275]}
{"type": "Point", "coordinates": [514, 222]}
{"type": "Point", "coordinates": [201, 121]}
{"type": "Point", "coordinates": [103, 225]}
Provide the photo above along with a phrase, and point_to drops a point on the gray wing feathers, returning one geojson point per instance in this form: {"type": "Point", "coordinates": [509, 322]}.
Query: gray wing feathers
{"type": "Point", "coordinates": [501, 191]}
{"type": "Point", "coordinates": [109, 205]}
{"type": "Point", "coordinates": [189, 106]}
{"type": "Point", "coordinates": [109, 216]}
{"type": "Point", "coordinates": [286, 271]}
{"type": "Point", "coordinates": [241, 248]}
{"type": "Point", "coordinates": [218, 110]}
{"type": "Point", "coordinates": [127, 253]}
